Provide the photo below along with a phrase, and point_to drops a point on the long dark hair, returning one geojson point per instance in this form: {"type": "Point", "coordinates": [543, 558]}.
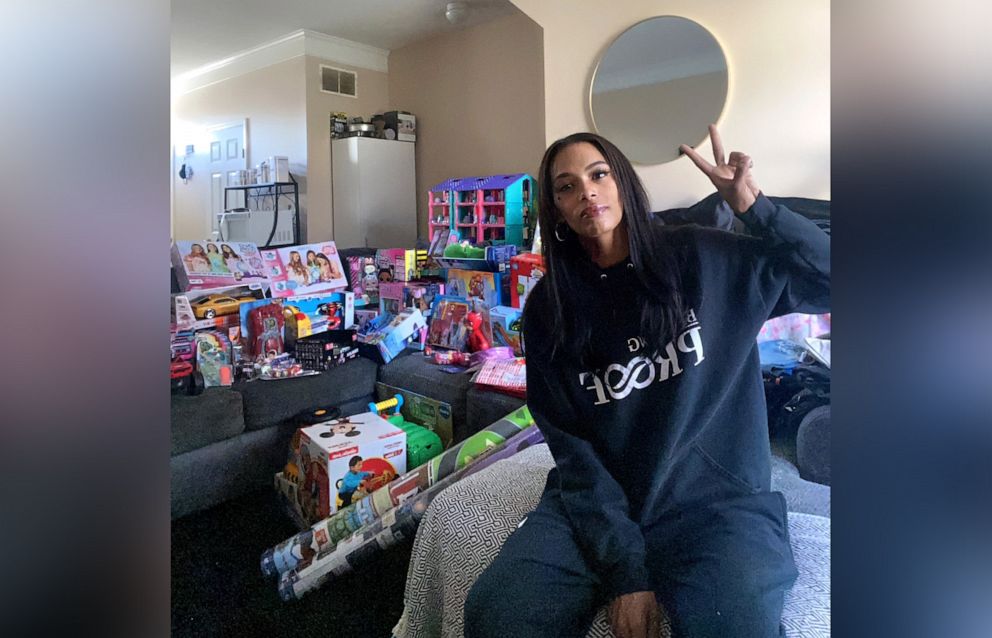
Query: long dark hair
{"type": "Point", "coordinates": [655, 262]}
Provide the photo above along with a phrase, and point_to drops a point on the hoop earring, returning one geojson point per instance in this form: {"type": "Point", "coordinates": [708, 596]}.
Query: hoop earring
{"type": "Point", "coordinates": [561, 231]}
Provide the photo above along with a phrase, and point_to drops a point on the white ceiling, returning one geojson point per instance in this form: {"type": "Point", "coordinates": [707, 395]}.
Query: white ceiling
{"type": "Point", "coordinates": [204, 31]}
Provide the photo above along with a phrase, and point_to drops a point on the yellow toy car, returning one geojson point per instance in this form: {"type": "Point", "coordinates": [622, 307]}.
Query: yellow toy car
{"type": "Point", "coordinates": [214, 305]}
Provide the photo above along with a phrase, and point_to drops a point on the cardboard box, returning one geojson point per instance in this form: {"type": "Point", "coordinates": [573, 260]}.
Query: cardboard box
{"type": "Point", "coordinates": [475, 284]}
{"type": "Point", "coordinates": [306, 316]}
{"type": "Point", "coordinates": [432, 414]}
{"type": "Point", "coordinates": [395, 296]}
{"type": "Point", "coordinates": [214, 264]}
{"type": "Point", "coordinates": [398, 264]}
{"type": "Point", "coordinates": [343, 460]}
{"type": "Point", "coordinates": [403, 124]}
{"type": "Point", "coordinates": [308, 269]}
{"type": "Point", "coordinates": [526, 270]}
{"type": "Point", "coordinates": [506, 328]}
{"type": "Point", "coordinates": [383, 342]}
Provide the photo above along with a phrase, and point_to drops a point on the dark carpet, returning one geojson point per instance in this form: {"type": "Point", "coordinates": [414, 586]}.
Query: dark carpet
{"type": "Point", "coordinates": [218, 588]}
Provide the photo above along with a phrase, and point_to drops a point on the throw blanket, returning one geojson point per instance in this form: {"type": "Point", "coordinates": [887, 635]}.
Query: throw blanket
{"type": "Point", "coordinates": [447, 558]}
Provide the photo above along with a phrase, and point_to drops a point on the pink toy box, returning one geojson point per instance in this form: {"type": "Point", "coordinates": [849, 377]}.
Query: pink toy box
{"type": "Point", "coordinates": [215, 264]}
{"type": "Point", "coordinates": [343, 460]}
{"type": "Point", "coordinates": [309, 269]}
{"type": "Point", "coordinates": [364, 278]}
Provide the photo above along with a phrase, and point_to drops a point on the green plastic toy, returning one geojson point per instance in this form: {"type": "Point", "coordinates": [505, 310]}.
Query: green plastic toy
{"type": "Point", "coordinates": [421, 444]}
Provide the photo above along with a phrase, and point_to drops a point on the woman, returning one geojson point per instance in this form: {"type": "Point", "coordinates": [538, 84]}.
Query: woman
{"type": "Point", "coordinates": [328, 271]}
{"type": "Point", "coordinates": [296, 270]}
{"type": "Point", "coordinates": [643, 375]}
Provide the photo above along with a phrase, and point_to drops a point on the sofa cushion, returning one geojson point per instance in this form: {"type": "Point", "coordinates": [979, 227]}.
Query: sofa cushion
{"type": "Point", "coordinates": [268, 403]}
{"type": "Point", "coordinates": [484, 407]}
{"type": "Point", "coordinates": [414, 372]}
{"type": "Point", "coordinates": [198, 421]}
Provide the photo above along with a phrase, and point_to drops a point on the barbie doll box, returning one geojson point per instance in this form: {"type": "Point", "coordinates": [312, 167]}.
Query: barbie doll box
{"type": "Point", "coordinates": [216, 264]}
{"type": "Point", "coordinates": [343, 460]}
{"type": "Point", "coordinates": [310, 269]}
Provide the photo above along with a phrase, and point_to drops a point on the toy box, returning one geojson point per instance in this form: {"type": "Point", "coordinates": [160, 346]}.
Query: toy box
{"type": "Point", "coordinates": [395, 296]}
{"type": "Point", "coordinates": [212, 264]}
{"type": "Point", "coordinates": [345, 459]}
{"type": "Point", "coordinates": [213, 358]}
{"type": "Point", "coordinates": [398, 264]}
{"type": "Point", "coordinates": [364, 278]}
{"type": "Point", "coordinates": [364, 315]}
{"type": "Point", "coordinates": [308, 269]}
{"type": "Point", "coordinates": [326, 350]}
{"type": "Point", "coordinates": [492, 259]}
{"type": "Point", "coordinates": [525, 271]}
{"type": "Point", "coordinates": [386, 336]}
{"type": "Point", "coordinates": [470, 284]}
{"type": "Point", "coordinates": [506, 328]}
{"type": "Point", "coordinates": [449, 328]}
{"type": "Point", "coordinates": [305, 316]}
{"type": "Point", "coordinates": [262, 327]}
{"type": "Point", "coordinates": [432, 414]}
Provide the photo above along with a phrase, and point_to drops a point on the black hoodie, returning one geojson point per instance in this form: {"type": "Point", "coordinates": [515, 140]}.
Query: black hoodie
{"type": "Point", "coordinates": [643, 437]}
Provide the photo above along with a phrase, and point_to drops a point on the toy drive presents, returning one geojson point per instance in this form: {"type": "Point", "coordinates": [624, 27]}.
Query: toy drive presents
{"type": "Point", "coordinates": [304, 270]}
{"type": "Point", "coordinates": [338, 462]}
{"type": "Point", "coordinates": [210, 264]}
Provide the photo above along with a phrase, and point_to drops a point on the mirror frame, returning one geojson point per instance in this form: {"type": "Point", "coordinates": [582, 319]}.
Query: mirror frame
{"type": "Point", "coordinates": [599, 61]}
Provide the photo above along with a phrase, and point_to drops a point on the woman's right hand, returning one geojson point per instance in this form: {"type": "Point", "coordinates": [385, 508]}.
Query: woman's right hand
{"type": "Point", "coordinates": [635, 615]}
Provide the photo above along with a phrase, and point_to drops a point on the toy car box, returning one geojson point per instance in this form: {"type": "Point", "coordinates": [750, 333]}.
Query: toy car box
{"type": "Point", "coordinates": [506, 328]}
{"type": "Point", "coordinates": [526, 270]}
{"type": "Point", "coordinates": [306, 316]}
{"type": "Point", "coordinates": [342, 460]}
{"type": "Point", "coordinates": [214, 264]}
{"type": "Point", "coordinates": [308, 269]}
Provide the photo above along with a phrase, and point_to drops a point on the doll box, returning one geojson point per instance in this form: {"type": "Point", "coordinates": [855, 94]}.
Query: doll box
{"type": "Point", "coordinates": [308, 269]}
{"type": "Point", "coordinates": [343, 460]}
{"type": "Point", "coordinates": [506, 328]}
{"type": "Point", "coordinates": [214, 264]}
{"type": "Point", "coordinates": [398, 264]}
{"type": "Point", "coordinates": [364, 278]}
{"type": "Point", "coordinates": [526, 270]}
{"type": "Point", "coordinates": [395, 296]}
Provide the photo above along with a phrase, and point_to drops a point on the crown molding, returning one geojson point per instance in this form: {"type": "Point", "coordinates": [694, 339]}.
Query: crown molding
{"type": "Point", "coordinates": [295, 44]}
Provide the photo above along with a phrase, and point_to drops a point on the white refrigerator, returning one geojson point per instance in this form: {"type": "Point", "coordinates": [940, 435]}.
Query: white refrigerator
{"type": "Point", "coordinates": [374, 193]}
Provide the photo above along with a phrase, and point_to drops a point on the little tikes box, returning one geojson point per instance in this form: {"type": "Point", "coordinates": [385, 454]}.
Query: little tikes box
{"type": "Point", "coordinates": [344, 460]}
{"type": "Point", "coordinates": [526, 269]}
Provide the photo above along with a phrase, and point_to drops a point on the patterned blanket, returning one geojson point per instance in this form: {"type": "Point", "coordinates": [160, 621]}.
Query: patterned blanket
{"type": "Point", "coordinates": [450, 551]}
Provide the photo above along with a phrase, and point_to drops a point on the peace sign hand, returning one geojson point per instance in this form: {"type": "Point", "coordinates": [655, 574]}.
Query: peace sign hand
{"type": "Point", "coordinates": [733, 179]}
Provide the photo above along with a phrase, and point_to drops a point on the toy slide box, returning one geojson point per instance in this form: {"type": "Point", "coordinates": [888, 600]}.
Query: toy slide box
{"type": "Point", "coordinates": [327, 450]}
{"type": "Point", "coordinates": [308, 269]}
{"type": "Point", "coordinates": [234, 264]}
{"type": "Point", "coordinates": [432, 414]}
{"type": "Point", "coordinates": [497, 260]}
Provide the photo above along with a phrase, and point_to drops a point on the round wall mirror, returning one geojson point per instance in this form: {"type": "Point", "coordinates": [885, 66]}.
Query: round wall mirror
{"type": "Point", "coordinates": [658, 85]}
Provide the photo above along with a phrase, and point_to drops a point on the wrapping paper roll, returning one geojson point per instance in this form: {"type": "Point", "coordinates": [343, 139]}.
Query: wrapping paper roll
{"type": "Point", "coordinates": [399, 524]}
{"type": "Point", "coordinates": [324, 535]}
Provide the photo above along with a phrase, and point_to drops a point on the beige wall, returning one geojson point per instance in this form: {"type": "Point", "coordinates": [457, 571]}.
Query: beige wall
{"type": "Point", "coordinates": [778, 106]}
{"type": "Point", "coordinates": [273, 100]}
{"type": "Point", "coordinates": [373, 97]}
{"type": "Point", "coordinates": [478, 95]}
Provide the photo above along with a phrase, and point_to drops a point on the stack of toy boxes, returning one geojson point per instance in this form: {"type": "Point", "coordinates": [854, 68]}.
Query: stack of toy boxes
{"type": "Point", "coordinates": [493, 208]}
{"type": "Point", "coordinates": [341, 461]}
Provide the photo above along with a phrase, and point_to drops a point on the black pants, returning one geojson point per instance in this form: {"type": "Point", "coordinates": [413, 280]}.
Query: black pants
{"type": "Point", "coordinates": [721, 570]}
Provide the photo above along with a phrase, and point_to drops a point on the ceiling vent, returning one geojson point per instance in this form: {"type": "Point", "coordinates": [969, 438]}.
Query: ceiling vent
{"type": "Point", "coordinates": [338, 81]}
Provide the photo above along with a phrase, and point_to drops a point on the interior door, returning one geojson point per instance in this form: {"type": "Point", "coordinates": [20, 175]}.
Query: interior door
{"type": "Point", "coordinates": [226, 157]}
